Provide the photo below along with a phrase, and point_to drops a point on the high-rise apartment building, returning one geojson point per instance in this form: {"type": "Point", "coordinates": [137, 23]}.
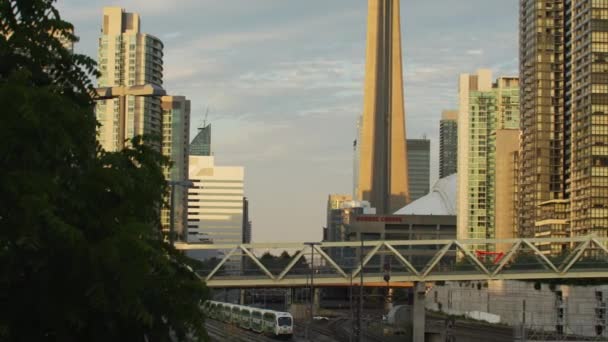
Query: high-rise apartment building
{"type": "Point", "coordinates": [215, 203]}
{"type": "Point", "coordinates": [487, 110]}
{"type": "Point", "coordinates": [382, 173]}
{"type": "Point", "coordinates": [128, 57]}
{"type": "Point", "coordinates": [589, 118]}
{"type": "Point", "coordinates": [448, 143]}
{"type": "Point", "coordinates": [176, 134]}
{"type": "Point", "coordinates": [564, 158]}
{"type": "Point", "coordinates": [545, 112]}
{"type": "Point", "coordinates": [201, 144]}
{"type": "Point", "coordinates": [419, 167]}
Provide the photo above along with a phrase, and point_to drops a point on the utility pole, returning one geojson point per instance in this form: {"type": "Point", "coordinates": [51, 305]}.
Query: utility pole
{"type": "Point", "coordinates": [352, 311]}
{"type": "Point", "coordinates": [312, 280]}
{"type": "Point", "coordinates": [387, 279]}
{"type": "Point", "coordinates": [360, 311]}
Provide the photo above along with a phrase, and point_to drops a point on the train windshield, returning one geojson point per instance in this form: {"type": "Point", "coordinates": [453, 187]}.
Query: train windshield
{"type": "Point", "coordinates": [285, 321]}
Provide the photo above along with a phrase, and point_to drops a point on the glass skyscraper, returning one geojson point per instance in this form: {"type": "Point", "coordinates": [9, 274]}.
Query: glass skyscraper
{"type": "Point", "coordinates": [419, 167]}
{"type": "Point", "coordinates": [176, 134]}
{"type": "Point", "coordinates": [448, 143]}
{"type": "Point", "coordinates": [201, 144]}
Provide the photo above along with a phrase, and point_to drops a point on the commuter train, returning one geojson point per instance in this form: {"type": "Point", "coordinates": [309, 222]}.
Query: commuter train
{"type": "Point", "coordinates": [267, 322]}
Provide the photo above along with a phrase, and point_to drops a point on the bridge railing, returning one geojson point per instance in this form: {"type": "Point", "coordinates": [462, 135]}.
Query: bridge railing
{"type": "Point", "coordinates": [338, 263]}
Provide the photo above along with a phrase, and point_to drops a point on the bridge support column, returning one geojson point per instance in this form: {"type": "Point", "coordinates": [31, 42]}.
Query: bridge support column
{"type": "Point", "coordinates": [316, 302]}
{"type": "Point", "coordinates": [418, 312]}
{"type": "Point", "coordinates": [242, 297]}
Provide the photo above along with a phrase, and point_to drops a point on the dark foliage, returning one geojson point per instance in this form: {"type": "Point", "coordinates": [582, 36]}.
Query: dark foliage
{"type": "Point", "coordinates": [81, 256]}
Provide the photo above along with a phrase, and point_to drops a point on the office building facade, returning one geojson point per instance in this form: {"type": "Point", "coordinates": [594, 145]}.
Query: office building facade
{"type": "Point", "coordinates": [175, 138]}
{"type": "Point", "coordinates": [382, 173]}
{"type": "Point", "coordinates": [419, 167]}
{"type": "Point", "coordinates": [487, 111]}
{"type": "Point", "coordinates": [128, 57]}
{"type": "Point", "coordinates": [215, 203]}
{"type": "Point", "coordinates": [448, 143]}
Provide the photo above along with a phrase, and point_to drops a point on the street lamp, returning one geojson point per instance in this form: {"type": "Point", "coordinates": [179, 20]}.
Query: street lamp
{"type": "Point", "coordinates": [186, 184]}
{"type": "Point", "coordinates": [121, 93]}
{"type": "Point", "coordinates": [312, 279]}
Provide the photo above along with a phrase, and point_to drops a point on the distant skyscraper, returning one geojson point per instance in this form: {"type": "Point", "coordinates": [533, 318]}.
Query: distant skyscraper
{"type": "Point", "coordinates": [448, 143]}
{"type": "Point", "coordinates": [176, 134]}
{"type": "Point", "coordinates": [486, 111]}
{"type": "Point", "coordinates": [128, 58]}
{"type": "Point", "coordinates": [215, 204]}
{"type": "Point", "coordinates": [201, 144]}
{"type": "Point", "coordinates": [246, 222]}
{"type": "Point", "coordinates": [382, 173]}
{"type": "Point", "coordinates": [335, 219]}
{"type": "Point", "coordinates": [419, 167]}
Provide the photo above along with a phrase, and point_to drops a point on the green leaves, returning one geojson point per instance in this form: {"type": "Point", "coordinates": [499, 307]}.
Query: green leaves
{"type": "Point", "coordinates": [81, 254]}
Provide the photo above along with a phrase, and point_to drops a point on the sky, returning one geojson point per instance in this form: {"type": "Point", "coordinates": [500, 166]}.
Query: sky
{"type": "Point", "coordinates": [283, 83]}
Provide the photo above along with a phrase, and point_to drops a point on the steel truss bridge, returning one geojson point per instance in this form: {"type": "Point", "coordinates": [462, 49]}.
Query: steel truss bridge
{"type": "Point", "coordinates": [341, 263]}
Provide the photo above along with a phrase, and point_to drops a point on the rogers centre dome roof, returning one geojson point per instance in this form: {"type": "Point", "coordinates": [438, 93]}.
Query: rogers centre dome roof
{"type": "Point", "coordinates": [440, 201]}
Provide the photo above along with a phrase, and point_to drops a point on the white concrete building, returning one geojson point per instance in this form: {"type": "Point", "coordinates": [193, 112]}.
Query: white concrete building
{"type": "Point", "coordinates": [578, 310]}
{"type": "Point", "coordinates": [215, 203]}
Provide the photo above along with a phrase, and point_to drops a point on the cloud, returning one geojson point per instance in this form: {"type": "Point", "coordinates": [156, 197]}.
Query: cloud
{"type": "Point", "coordinates": [171, 35]}
{"type": "Point", "coordinates": [475, 52]}
{"type": "Point", "coordinates": [284, 80]}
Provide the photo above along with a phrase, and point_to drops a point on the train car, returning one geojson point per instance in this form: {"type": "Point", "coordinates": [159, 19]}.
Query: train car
{"type": "Point", "coordinates": [236, 315]}
{"type": "Point", "coordinates": [256, 320]}
{"type": "Point", "coordinates": [268, 322]}
{"type": "Point", "coordinates": [284, 324]}
{"type": "Point", "coordinates": [226, 313]}
{"type": "Point", "coordinates": [278, 324]}
{"type": "Point", "coordinates": [245, 318]}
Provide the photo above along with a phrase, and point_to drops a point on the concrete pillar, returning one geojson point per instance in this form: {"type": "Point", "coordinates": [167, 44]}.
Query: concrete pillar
{"type": "Point", "coordinates": [242, 297]}
{"type": "Point", "coordinates": [316, 302]}
{"type": "Point", "coordinates": [388, 306]}
{"type": "Point", "coordinates": [418, 314]}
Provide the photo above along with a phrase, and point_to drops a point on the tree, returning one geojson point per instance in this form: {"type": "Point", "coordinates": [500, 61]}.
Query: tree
{"type": "Point", "coordinates": [81, 254]}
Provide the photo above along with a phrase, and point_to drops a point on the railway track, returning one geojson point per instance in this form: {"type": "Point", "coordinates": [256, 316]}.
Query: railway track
{"type": "Point", "coordinates": [317, 333]}
{"type": "Point", "coordinates": [220, 332]}
{"type": "Point", "coordinates": [336, 330]}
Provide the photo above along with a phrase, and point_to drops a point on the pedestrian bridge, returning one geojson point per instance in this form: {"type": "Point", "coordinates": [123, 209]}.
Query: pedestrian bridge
{"type": "Point", "coordinates": [405, 262]}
